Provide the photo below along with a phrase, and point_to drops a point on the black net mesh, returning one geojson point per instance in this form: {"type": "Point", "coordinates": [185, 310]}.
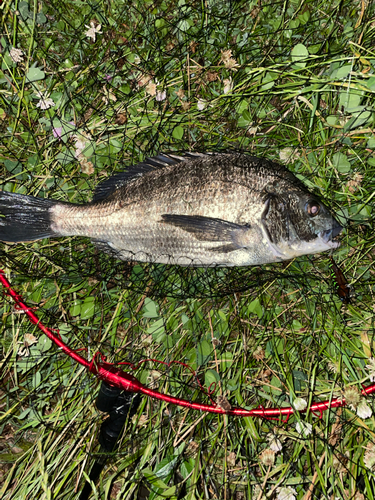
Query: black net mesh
{"type": "Point", "coordinates": [94, 87]}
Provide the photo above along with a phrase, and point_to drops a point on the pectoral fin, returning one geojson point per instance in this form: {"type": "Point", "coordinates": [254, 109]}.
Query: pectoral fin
{"type": "Point", "coordinates": [227, 233]}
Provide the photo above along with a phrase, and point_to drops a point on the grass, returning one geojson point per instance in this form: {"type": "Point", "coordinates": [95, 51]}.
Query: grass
{"type": "Point", "coordinates": [301, 82]}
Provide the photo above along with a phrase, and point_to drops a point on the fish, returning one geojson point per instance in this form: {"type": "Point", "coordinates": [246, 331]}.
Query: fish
{"type": "Point", "coordinates": [195, 209]}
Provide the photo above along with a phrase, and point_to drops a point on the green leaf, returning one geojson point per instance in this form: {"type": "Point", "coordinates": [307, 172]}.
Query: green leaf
{"type": "Point", "coordinates": [34, 75]}
{"type": "Point", "coordinates": [332, 120]}
{"type": "Point", "coordinates": [226, 360]}
{"type": "Point", "coordinates": [203, 352]}
{"type": "Point", "coordinates": [23, 8]}
{"type": "Point", "coordinates": [211, 377]}
{"type": "Point", "coordinates": [151, 309]}
{"type": "Point", "coordinates": [165, 467]}
{"type": "Point", "coordinates": [341, 163]}
{"type": "Point", "coordinates": [157, 329]}
{"type": "Point", "coordinates": [36, 379]}
{"type": "Point", "coordinates": [178, 132]}
{"type": "Point", "coordinates": [242, 106]}
{"type": "Point", "coordinates": [41, 18]}
{"type": "Point", "coordinates": [343, 72]}
{"type": "Point", "coordinates": [358, 119]}
{"type": "Point", "coordinates": [371, 143]}
{"type": "Point", "coordinates": [76, 309]}
{"type": "Point", "coordinates": [88, 308]}
{"type": "Point", "coordinates": [44, 344]}
{"type": "Point", "coordinates": [153, 479]}
{"type": "Point", "coordinates": [350, 100]}
{"type": "Point", "coordinates": [14, 167]}
{"type": "Point", "coordinates": [24, 414]}
{"type": "Point", "coordinates": [231, 384]}
{"type": "Point", "coordinates": [299, 53]}
{"type": "Point", "coordinates": [370, 83]}
{"type": "Point", "coordinates": [65, 157]}
{"type": "Point", "coordinates": [255, 307]}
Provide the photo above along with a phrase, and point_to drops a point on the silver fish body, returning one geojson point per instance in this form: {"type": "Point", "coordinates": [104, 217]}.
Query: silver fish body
{"type": "Point", "coordinates": [200, 210]}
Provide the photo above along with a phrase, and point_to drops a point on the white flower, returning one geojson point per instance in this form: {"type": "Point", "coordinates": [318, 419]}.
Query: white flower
{"type": "Point", "coordinates": [252, 130]}
{"type": "Point", "coordinates": [300, 404]}
{"type": "Point", "coordinates": [363, 410]}
{"type": "Point", "coordinates": [29, 340]}
{"type": "Point", "coordinates": [228, 85]}
{"type": "Point", "coordinates": [80, 143]}
{"type": "Point", "coordinates": [304, 428]}
{"type": "Point", "coordinates": [274, 443]}
{"type": "Point", "coordinates": [228, 60]}
{"type": "Point", "coordinates": [201, 104]}
{"type": "Point", "coordinates": [267, 457]}
{"type": "Point", "coordinates": [288, 155]}
{"type": "Point", "coordinates": [16, 55]}
{"type": "Point", "coordinates": [371, 369]}
{"type": "Point", "coordinates": [160, 95]}
{"type": "Point", "coordinates": [352, 397]}
{"type": "Point", "coordinates": [92, 30]}
{"type": "Point", "coordinates": [45, 101]}
{"type": "Point", "coordinates": [286, 493]}
{"type": "Point", "coordinates": [369, 456]}
{"type": "Point", "coordinates": [151, 88]}
{"type": "Point", "coordinates": [137, 59]}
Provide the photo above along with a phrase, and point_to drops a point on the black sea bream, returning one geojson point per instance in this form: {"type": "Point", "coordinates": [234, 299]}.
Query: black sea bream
{"type": "Point", "coordinates": [200, 210]}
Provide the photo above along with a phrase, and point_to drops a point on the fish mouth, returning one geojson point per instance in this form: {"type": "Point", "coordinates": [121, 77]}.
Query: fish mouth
{"type": "Point", "coordinates": [328, 235]}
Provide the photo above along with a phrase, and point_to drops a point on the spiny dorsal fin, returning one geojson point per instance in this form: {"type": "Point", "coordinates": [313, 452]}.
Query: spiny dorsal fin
{"type": "Point", "coordinates": [107, 187]}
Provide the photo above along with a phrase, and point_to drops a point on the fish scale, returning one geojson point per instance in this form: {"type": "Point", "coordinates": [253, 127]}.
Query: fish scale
{"type": "Point", "coordinates": [200, 210]}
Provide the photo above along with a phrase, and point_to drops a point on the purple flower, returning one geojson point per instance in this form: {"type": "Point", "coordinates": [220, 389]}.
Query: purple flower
{"type": "Point", "coordinates": [57, 133]}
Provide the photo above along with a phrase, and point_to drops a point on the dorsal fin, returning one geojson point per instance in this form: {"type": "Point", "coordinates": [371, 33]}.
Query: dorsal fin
{"type": "Point", "coordinates": [107, 187]}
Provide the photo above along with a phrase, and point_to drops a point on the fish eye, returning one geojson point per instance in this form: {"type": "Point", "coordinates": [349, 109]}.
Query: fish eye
{"type": "Point", "coordinates": [313, 208]}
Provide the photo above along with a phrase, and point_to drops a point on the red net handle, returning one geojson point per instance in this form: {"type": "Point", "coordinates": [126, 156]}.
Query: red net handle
{"type": "Point", "coordinates": [118, 378]}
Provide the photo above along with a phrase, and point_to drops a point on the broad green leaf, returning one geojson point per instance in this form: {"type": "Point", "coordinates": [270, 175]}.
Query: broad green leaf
{"type": "Point", "coordinates": [65, 157]}
{"type": "Point", "coordinates": [178, 132]}
{"type": "Point", "coordinates": [41, 18]}
{"type": "Point", "coordinates": [14, 167]}
{"type": "Point", "coordinates": [211, 377]}
{"type": "Point", "coordinates": [343, 72]}
{"type": "Point", "coordinates": [226, 360]}
{"type": "Point", "coordinates": [157, 330]}
{"type": "Point", "coordinates": [88, 308]}
{"type": "Point", "coordinates": [36, 379]}
{"type": "Point", "coordinates": [23, 8]}
{"type": "Point", "coordinates": [256, 308]}
{"type": "Point", "coordinates": [341, 163]}
{"type": "Point", "coordinates": [350, 99]}
{"type": "Point", "coordinates": [359, 119]}
{"type": "Point", "coordinates": [299, 53]}
{"type": "Point", "coordinates": [151, 309]}
{"type": "Point", "coordinates": [242, 106]}
{"type": "Point", "coordinates": [76, 308]}
{"type": "Point", "coordinates": [153, 479]}
{"type": "Point", "coordinates": [268, 80]}
{"type": "Point", "coordinates": [332, 120]}
{"type": "Point", "coordinates": [165, 467]}
{"type": "Point", "coordinates": [34, 75]}
{"type": "Point", "coordinates": [203, 352]}
{"type": "Point", "coordinates": [44, 343]}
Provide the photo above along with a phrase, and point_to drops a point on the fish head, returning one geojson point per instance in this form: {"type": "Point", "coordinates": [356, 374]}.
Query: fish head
{"type": "Point", "coordinates": [298, 223]}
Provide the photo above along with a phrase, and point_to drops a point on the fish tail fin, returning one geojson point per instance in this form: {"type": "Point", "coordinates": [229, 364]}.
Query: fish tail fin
{"type": "Point", "coordinates": [24, 218]}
